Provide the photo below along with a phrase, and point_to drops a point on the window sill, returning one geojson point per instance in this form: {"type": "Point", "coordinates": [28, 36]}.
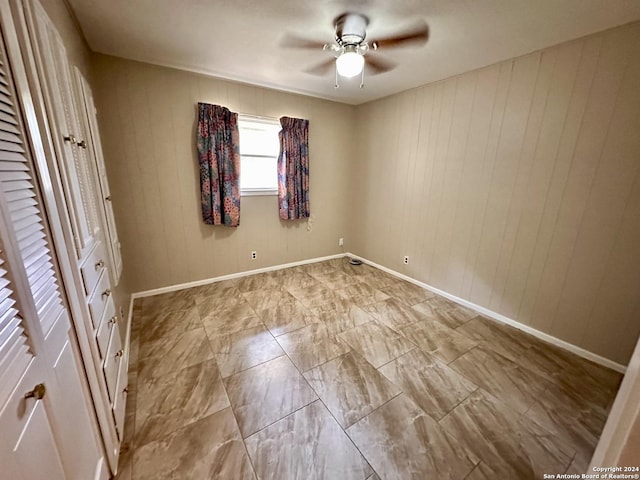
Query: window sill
{"type": "Point", "coordinates": [258, 193]}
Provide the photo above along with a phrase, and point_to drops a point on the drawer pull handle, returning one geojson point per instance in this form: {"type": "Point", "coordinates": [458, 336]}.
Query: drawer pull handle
{"type": "Point", "coordinates": [106, 293]}
{"type": "Point", "coordinates": [113, 320]}
{"type": "Point", "coordinates": [82, 144]}
{"type": "Point", "coordinates": [108, 198]}
{"type": "Point", "coordinates": [37, 392]}
{"type": "Point", "coordinates": [69, 138]}
{"type": "Point", "coordinates": [119, 353]}
{"type": "Point", "coordinates": [100, 264]}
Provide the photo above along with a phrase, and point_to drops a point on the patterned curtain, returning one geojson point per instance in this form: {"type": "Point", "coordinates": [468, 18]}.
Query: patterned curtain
{"type": "Point", "coordinates": [219, 157]}
{"type": "Point", "coordinates": [293, 169]}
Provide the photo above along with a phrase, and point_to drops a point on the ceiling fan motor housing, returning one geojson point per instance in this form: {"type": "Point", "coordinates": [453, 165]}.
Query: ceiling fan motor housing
{"type": "Point", "coordinates": [351, 29]}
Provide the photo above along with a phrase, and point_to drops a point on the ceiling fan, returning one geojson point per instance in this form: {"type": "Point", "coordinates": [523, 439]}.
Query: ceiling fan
{"type": "Point", "coordinates": [351, 45]}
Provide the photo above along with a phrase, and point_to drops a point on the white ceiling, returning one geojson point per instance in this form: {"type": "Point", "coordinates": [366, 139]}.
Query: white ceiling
{"type": "Point", "coordinates": [240, 39]}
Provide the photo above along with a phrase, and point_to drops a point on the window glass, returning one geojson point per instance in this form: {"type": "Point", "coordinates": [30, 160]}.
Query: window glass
{"type": "Point", "coordinates": [259, 149]}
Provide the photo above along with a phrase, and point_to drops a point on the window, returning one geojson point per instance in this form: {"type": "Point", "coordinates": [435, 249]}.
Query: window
{"type": "Point", "coordinates": [259, 149]}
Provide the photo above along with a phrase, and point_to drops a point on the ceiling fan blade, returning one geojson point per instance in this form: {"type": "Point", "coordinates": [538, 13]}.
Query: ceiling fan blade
{"type": "Point", "coordinates": [375, 64]}
{"type": "Point", "coordinates": [323, 68]}
{"type": "Point", "coordinates": [293, 41]}
{"type": "Point", "coordinates": [412, 37]}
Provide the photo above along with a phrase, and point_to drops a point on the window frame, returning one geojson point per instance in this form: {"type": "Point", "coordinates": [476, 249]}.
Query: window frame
{"type": "Point", "coordinates": [255, 192]}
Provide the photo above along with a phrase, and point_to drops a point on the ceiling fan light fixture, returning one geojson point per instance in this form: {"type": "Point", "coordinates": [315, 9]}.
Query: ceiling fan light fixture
{"type": "Point", "coordinates": [350, 64]}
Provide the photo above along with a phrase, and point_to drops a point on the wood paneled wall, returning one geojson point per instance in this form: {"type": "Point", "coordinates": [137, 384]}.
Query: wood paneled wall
{"type": "Point", "coordinates": [516, 187]}
{"type": "Point", "coordinates": [148, 119]}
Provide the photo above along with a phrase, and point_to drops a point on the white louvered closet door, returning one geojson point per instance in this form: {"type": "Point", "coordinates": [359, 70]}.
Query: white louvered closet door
{"type": "Point", "coordinates": [76, 168]}
{"type": "Point", "coordinates": [46, 429]}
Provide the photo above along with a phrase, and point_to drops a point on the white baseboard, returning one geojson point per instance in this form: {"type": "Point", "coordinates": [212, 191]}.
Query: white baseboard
{"type": "Point", "coordinates": [503, 319]}
{"type": "Point", "coordinates": [207, 281]}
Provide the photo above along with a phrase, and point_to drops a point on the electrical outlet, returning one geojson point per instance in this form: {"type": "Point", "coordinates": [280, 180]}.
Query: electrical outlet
{"type": "Point", "coordinates": [254, 255]}
{"type": "Point", "coordinates": [406, 260]}
{"type": "Point", "coordinates": [340, 241]}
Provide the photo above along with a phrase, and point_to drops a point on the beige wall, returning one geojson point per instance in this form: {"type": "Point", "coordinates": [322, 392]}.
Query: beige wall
{"type": "Point", "coordinates": [147, 116]}
{"type": "Point", "coordinates": [516, 187]}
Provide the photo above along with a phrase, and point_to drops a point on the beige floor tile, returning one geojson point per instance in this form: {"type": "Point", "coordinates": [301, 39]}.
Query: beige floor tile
{"type": "Point", "coordinates": [435, 338]}
{"type": "Point", "coordinates": [230, 321]}
{"type": "Point", "coordinates": [350, 387]}
{"type": "Point", "coordinates": [394, 314]}
{"type": "Point", "coordinates": [316, 296]}
{"type": "Point", "coordinates": [407, 293]}
{"type": "Point", "coordinates": [361, 294]}
{"type": "Point", "coordinates": [573, 376]}
{"type": "Point", "coordinates": [401, 441]}
{"type": "Point", "coordinates": [260, 281]}
{"type": "Point", "coordinates": [220, 301]}
{"type": "Point", "coordinates": [168, 323]}
{"type": "Point", "coordinates": [168, 354]}
{"type": "Point", "coordinates": [241, 350]}
{"type": "Point", "coordinates": [440, 302]}
{"type": "Point", "coordinates": [335, 279]}
{"type": "Point", "coordinates": [339, 321]}
{"type": "Point", "coordinates": [167, 302]}
{"type": "Point", "coordinates": [312, 345]}
{"type": "Point", "coordinates": [580, 464]}
{"type": "Point", "coordinates": [318, 267]}
{"type": "Point", "coordinates": [568, 420]}
{"type": "Point", "coordinates": [309, 445]}
{"type": "Point", "coordinates": [427, 309]}
{"type": "Point", "coordinates": [377, 278]}
{"type": "Point", "coordinates": [208, 449]}
{"type": "Point", "coordinates": [377, 343]}
{"type": "Point", "coordinates": [509, 445]}
{"type": "Point", "coordinates": [167, 403]}
{"type": "Point", "coordinates": [333, 305]}
{"type": "Point", "coordinates": [501, 377]}
{"type": "Point", "coordinates": [266, 393]}
{"type": "Point", "coordinates": [505, 340]}
{"type": "Point", "coordinates": [296, 279]}
{"type": "Point", "coordinates": [261, 300]}
{"type": "Point", "coordinates": [286, 317]}
{"type": "Point", "coordinates": [215, 290]}
{"type": "Point", "coordinates": [455, 317]}
{"type": "Point", "coordinates": [432, 385]}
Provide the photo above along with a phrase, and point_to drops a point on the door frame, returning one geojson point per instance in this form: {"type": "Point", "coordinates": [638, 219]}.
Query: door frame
{"type": "Point", "coordinates": [623, 424]}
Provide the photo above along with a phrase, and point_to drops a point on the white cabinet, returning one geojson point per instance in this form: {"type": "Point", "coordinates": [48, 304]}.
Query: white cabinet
{"type": "Point", "coordinates": [82, 195]}
{"type": "Point", "coordinates": [89, 124]}
{"type": "Point", "coordinates": [47, 426]}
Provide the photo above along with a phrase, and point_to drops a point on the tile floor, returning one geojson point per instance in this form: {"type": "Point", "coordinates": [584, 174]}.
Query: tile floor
{"type": "Point", "coordinates": [331, 371]}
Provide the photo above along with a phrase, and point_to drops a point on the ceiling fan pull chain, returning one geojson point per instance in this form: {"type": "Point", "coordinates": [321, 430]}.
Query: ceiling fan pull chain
{"type": "Point", "coordinates": [362, 78]}
{"type": "Point", "coordinates": [335, 66]}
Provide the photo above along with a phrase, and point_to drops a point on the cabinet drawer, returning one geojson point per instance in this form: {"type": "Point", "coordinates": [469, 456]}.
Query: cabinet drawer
{"type": "Point", "coordinates": [98, 300]}
{"type": "Point", "coordinates": [93, 267]}
{"type": "Point", "coordinates": [109, 319]}
{"type": "Point", "coordinates": [112, 361]}
{"type": "Point", "coordinates": [120, 401]}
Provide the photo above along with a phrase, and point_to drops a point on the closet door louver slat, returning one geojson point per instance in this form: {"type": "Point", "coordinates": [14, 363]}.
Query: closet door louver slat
{"type": "Point", "coordinates": [15, 354]}
{"type": "Point", "coordinates": [14, 350]}
{"type": "Point", "coordinates": [16, 181]}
